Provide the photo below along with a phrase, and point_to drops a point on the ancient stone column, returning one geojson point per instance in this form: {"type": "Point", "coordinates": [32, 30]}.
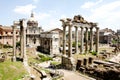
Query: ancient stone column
{"type": "Point", "coordinates": [24, 44]}
{"type": "Point", "coordinates": [76, 39]}
{"type": "Point", "coordinates": [70, 41]}
{"type": "Point", "coordinates": [14, 43]}
{"type": "Point", "coordinates": [97, 38]}
{"type": "Point", "coordinates": [64, 40]}
{"type": "Point", "coordinates": [21, 42]}
{"type": "Point", "coordinates": [23, 35]}
{"type": "Point", "coordinates": [82, 41]}
{"type": "Point", "coordinates": [51, 47]}
{"type": "Point", "coordinates": [91, 39]}
{"type": "Point", "coordinates": [86, 37]}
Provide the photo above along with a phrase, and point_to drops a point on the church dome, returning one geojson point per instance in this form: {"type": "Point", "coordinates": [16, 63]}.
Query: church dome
{"type": "Point", "coordinates": [32, 21]}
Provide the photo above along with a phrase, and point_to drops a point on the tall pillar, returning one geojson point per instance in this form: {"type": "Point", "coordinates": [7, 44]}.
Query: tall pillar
{"type": "Point", "coordinates": [86, 37]}
{"type": "Point", "coordinates": [82, 41]}
{"type": "Point", "coordinates": [76, 39]}
{"type": "Point", "coordinates": [64, 40]}
{"type": "Point", "coordinates": [21, 42]}
{"type": "Point", "coordinates": [24, 44]}
{"type": "Point", "coordinates": [23, 35]}
{"type": "Point", "coordinates": [14, 43]}
{"type": "Point", "coordinates": [91, 39]}
{"type": "Point", "coordinates": [70, 42]}
{"type": "Point", "coordinates": [50, 46]}
{"type": "Point", "coordinates": [97, 38]}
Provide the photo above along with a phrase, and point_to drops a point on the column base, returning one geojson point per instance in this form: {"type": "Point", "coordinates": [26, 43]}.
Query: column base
{"type": "Point", "coordinates": [81, 52]}
{"type": "Point", "coordinates": [91, 50]}
{"type": "Point", "coordinates": [25, 60]}
{"type": "Point", "coordinates": [13, 58]}
{"type": "Point", "coordinates": [68, 63]}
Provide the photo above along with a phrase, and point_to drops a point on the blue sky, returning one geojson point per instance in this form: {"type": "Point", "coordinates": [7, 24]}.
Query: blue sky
{"type": "Point", "coordinates": [48, 12]}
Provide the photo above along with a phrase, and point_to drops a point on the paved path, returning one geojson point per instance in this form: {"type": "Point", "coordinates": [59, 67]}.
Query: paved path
{"type": "Point", "coordinates": [71, 75]}
{"type": "Point", "coordinates": [68, 75]}
{"type": "Point", "coordinates": [116, 58]}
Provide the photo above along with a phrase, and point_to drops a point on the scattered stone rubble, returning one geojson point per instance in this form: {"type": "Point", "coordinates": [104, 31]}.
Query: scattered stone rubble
{"type": "Point", "coordinates": [101, 70]}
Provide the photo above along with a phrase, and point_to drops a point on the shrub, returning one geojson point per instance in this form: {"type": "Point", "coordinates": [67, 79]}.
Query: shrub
{"type": "Point", "coordinates": [73, 44]}
{"type": "Point", "coordinates": [94, 53]}
{"type": "Point", "coordinates": [7, 46]}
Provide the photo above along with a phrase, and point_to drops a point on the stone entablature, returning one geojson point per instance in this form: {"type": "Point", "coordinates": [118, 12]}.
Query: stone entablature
{"type": "Point", "coordinates": [52, 34]}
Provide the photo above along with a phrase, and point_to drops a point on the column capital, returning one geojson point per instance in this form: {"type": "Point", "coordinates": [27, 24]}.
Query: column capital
{"type": "Point", "coordinates": [86, 28]}
{"type": "Point", "coordinates": [81, 27]}
{"type": "Point", "coordinates": [23, 22]}
{"type": "Point", "coordinates": [76, 26]}
{"type": "Point", "coordinates": [97, 28]}
{"type": "Point", "coordinates": [63, 25]}
{"type": "Point", "coordinates": [91, 28]}
{"type": "Point", "coordinates": [14, 26]}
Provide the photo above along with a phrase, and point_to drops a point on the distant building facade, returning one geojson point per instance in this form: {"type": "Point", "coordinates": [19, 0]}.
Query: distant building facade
{"type": "Point", "coordinates": [33, 32]}
{"type": "Point", "coordinates": [60, 35]}
{"type": "Point", "coordinates": [106, 35]}
{"type": "Point", "coordinates": [6, 35]}
{"type": "Point", "coordinates": [49, 42]}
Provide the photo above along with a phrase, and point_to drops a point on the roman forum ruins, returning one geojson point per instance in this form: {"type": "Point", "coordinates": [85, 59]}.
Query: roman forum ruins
{"type": "Point", "coordinates": [78, 22]}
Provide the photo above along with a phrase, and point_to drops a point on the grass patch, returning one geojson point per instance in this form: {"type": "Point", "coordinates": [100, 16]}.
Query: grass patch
{"type": "Point", "coordinates": [55, 63]}
{"type": "Point", "coordinates": [12, 70]}
{"type": "Point", "coordinates": [43, 58]}
{"type": "Point", "coordinates": [38, 58]}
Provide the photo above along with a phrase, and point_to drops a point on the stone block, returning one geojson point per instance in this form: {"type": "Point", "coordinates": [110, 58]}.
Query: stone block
{"type": "Point", "coordinates": [85, 62]}
{"type": "Point", "coordinates": [90, 60]}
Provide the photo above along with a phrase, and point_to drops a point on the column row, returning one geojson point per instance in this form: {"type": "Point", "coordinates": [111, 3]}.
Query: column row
{"type": "Point", "coordinates": [82, 40]}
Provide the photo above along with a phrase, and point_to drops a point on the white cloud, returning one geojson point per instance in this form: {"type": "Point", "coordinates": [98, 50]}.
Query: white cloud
{"type": "Point", "coordinates": [27, 9]}
{"type": "Point", "coordinates": [90, 4]}
{"type": "Point", "coordinates": [35, 1]}
{"type": "Point", "coordinates": [42, 16]}
{"type": "Point", "coordinates": [107, 15]}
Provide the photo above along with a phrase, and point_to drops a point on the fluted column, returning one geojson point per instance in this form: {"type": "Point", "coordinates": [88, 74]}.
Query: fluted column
{"type": "Point", "coordinates": [70, 41]}
{"type": "Point", "coordinates": [76, 39]}
{"type": "Point", "coordinates": [97, 39]}
{"type": "Point", "coordinates": [91, 40]}
{"type": "Point", "coordinates": [14, 43]}
{"type": "Point", "coordinates": [82, 40]}
{"type": "Point", "coordinates": [86, 37]}
{"type": "Point", "coordinates": [64, 40]}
